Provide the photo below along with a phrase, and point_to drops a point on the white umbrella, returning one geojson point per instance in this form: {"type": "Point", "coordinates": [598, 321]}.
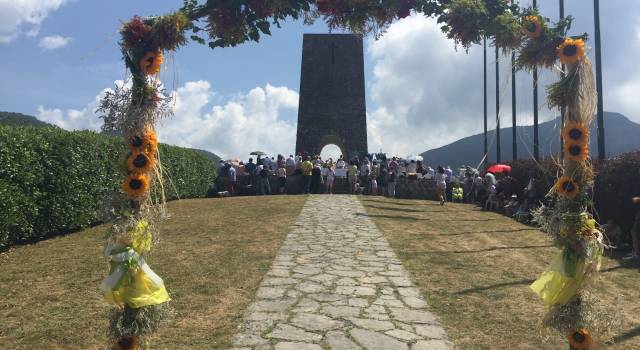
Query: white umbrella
{"type": "Point", "coordinates": [416, 158]}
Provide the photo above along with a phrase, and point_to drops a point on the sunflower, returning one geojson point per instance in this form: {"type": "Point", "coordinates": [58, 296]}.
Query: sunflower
{"type": "Point", "coordinates": [135, 185]}
{"type": "Point", "coordinates": [145, 142]}
{"type": "Point", "coordinates": [532, 26]}
{"type": "Point", "coordinates": [575, 132]}
{"type": "Point", "coordinates": [580, 339]}
{"type": "Point", "coordinates": [151, 62]}
{"type": "Point", "coordinates": [571, 51]}
{"type": "Point", "coordinates": [566, 187]}
{"type": "Point", "coordinates": [139, 162]}
{"type": "Point", "coordinates": [576, 151]}
{"type": "Point", "coordinates": [127, 343]}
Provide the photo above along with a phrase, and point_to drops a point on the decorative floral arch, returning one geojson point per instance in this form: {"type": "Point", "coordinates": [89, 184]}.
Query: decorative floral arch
{"type": "Point", "coordinates": [141, 294]}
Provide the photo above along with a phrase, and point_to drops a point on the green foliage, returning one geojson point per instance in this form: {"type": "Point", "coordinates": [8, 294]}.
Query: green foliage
{"type": "Point", "coordinates": [465, 21]}
{"type": "Point", "coordinates": [54, 181]}
{"type": "Point", "coordinates": [507, 31]}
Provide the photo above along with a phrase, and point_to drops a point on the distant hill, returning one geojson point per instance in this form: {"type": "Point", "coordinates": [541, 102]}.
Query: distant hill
{"type": "Point", "coordinates": [21, 119]}
{"type": "Point", "coordinates": [212, 156]}
{"type": "Point", "coordinates": [621, 135]}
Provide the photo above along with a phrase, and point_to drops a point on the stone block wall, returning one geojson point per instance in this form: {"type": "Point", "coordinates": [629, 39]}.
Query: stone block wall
{"type": "Point", "coordinates": [415, 189]}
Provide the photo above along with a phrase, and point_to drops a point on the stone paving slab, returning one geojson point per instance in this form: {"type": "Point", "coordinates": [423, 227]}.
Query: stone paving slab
{"type": "Point", "coordinates": [337, 284]}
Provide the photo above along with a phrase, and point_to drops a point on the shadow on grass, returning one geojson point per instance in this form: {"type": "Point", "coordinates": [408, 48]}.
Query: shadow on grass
{"type": "Point", "coordinates": [487, 232]}
{"type": "Point", "coordinates": [395, 202]}
{"type": "Point", "coordinates": [488, 249]}
{"type": "Point", "coordinates": [494, 286]}
{"type": "Point", "coordinates": [398, 209]}
{"type": "Point", "coordinates": [393, 217]}
{"type": "Point", "coordinates": [632, 333]}
{"type": "Point", "coordinates": [624, 264]}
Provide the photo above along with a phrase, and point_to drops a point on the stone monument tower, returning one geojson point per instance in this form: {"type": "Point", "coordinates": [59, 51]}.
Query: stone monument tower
{"type": "Point", "coordinates": [332, 107]}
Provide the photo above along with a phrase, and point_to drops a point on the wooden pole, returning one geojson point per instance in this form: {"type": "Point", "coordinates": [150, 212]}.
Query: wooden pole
{"type": "Point", "coordinates": [536, 143]}
{"type": "Point", "coordinates": [514, 145]}
{"type": "Point", "coordinates": [596, 14]}
{"type": "Point", "coordinates": [562, 109]}
{"type": "Point", "coordinates": [486, 150]}
{"type": "Point", "coordinates": [498, 155]}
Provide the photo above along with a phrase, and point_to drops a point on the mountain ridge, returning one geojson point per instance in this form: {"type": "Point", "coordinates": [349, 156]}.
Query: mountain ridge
{"type": "Point", "coordinates": [621, 135]}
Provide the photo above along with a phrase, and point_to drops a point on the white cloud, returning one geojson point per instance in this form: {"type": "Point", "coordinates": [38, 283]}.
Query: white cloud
{"type": "Point", "coordinates": [245, 123]}
{"type": "Point", "coordinates": [54, 42]}
{"type": "Point", "coordinates": [421, 88]}
{"type": "Point", "coordinates": [74, 119]}
{"type": "Point", "coordinates": [24, 17]}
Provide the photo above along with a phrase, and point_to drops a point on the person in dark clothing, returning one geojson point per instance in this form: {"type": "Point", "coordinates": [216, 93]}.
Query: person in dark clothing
{"type": "Point", "coordinates": [316, 179]}
{"type": "Point", "coordinates": [265, 186]}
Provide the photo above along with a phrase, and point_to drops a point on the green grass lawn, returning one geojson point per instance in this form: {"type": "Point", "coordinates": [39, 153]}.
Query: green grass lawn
{"type": "Point", "coordinates": [475, 269]}
{"type": "Point", "coordinates": [212, 257]}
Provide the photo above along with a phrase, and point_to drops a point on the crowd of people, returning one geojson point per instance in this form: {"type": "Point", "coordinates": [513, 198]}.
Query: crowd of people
{"type": "Point", "coordinates": [377, 175]}
{"type": "Point", "coordinates": [371, 174]}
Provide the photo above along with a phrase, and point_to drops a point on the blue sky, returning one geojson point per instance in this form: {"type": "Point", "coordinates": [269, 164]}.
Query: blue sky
{"type": "Point", "coordinates": [91, 61]}
{"type": "Point", "coordinates": [421, 91]}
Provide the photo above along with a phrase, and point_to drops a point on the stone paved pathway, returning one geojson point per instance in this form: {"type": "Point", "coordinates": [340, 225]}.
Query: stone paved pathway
{"type": "Point", "coordinates": [336, 284]}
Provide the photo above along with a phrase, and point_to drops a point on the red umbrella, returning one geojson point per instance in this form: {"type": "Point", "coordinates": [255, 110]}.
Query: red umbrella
{"type": "Point", "coordinates": [499, 168]}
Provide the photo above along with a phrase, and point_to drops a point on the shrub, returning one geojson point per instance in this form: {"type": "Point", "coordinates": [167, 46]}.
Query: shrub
{"type": "Point", "coordinates": [615, 183]}
{"type": "Point", "coordinates": [54, 181]}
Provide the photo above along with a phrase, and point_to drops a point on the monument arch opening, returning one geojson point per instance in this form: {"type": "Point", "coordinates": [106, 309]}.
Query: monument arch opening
{"type": "Point", "coordinates": [331, 151]}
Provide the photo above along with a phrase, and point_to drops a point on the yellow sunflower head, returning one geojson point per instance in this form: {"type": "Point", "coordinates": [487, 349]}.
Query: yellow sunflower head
{"type": "Point", "coordinates": [575, 132]}
{"type": "Point", "coordinates": [136, 185]}
{"type": "Point", "coordinates": [532, 26]}
{"type": "Point", "coordinates": [566, 187]}
{"type": "Point", "coordinates": [151, 62]}
{"type": "Point", "coordinates": [576, 151]}
{"type": "Point", "coordinates": [580, 339]}
{"type": "Point", "coordinates": [571, 51]}
{"type": "Point", "coordinates": [145, 142]}
{"type": "Point", "coordinates": [140, 162]}
{"type": "Point", "coordinates": [127, 343]}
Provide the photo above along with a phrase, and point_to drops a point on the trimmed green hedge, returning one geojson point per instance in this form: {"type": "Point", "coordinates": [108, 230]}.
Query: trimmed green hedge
{"type": "Point", "coordinates": [54, 181]}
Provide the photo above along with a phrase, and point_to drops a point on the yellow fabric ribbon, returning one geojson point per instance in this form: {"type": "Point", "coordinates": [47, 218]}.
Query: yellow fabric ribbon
{"type": "Point", "coordinates": [131, 281]}
{"type": "Point", "coordinates": [555, 286]}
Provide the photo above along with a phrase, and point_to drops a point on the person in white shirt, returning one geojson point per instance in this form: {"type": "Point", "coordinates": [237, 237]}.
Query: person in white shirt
{"type": "Point", "coordinates": [282, 179]}
{"type": "Point", "coordinates": [267, 163]}
{"type": "Point", "coordinates": [331, 175]}
{"type": "Point", "coordinates": [412, 168]}
{"type": "Point", "coordinates": [365, 171]}
{"type": "Point", "coordinates": [340, 164]}
{"type": "Point", "coordinates": [290, 165]}
{"type": "Point", "coordinates": [449, 173]}
{"type": "Point", "coordinates": [441, 184]}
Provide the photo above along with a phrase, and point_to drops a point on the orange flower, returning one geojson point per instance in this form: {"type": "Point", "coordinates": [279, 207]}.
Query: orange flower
{"type": "Point", "coordinates": [571, 51]}
{"type": "Point", "coordinates": [566, 187]}
{"type": "Point", "coordinates": [145, 142]}
{"type": "Point", "coordinates": [151, 62]}
{"type": "Point", "coordinates": [576, 151]}
{"type": "Point", "coordinates": [139, 162]}
{"type": "Point", "coordinates": [580, 339]}
{"type": "Point", "coordinates": [127, 343]}
{"type": "Point", "coordinates": [136, 185]}
{"type": "Point", "coordinates": [575, 132]}
{"type": "Point", "coordinates": [532, 26]}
